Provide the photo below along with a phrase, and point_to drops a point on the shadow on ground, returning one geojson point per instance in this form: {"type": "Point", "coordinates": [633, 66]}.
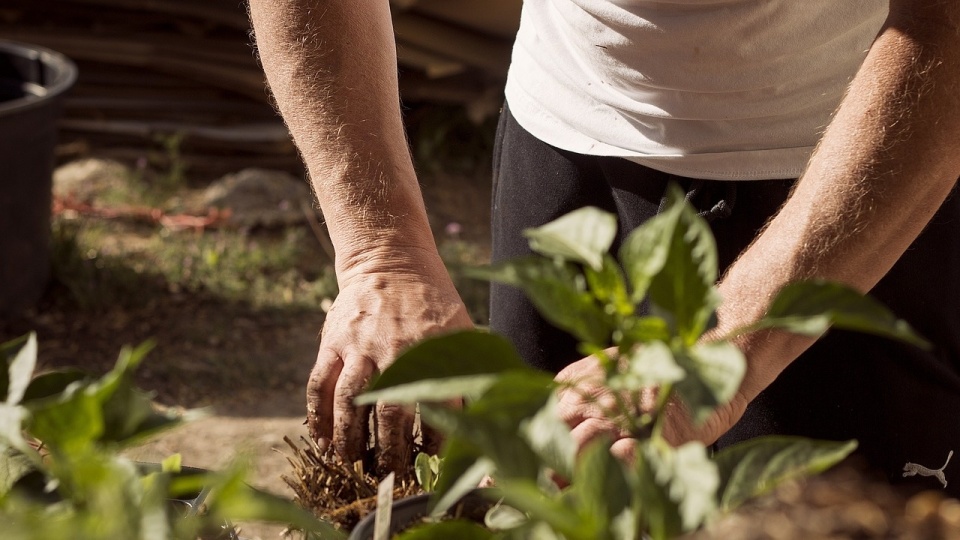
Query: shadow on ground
{"type": "Point", "coordinates": [245, 360]}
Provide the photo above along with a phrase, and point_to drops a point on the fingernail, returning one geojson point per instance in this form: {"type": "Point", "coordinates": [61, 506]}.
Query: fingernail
{"type": "Point", "coordinates": [323, 443]}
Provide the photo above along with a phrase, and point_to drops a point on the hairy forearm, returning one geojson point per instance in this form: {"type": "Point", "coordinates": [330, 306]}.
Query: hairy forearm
{"type": "Point", "coordinates": [883, 167]}
{"type": "Point", "coordinates": [331, 66]}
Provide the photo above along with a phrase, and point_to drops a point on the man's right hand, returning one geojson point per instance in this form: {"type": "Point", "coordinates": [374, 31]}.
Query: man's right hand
{"type": "Point", "coordinates": [375, 317]}
{"type": "Point", "coordinates": [332, 69]}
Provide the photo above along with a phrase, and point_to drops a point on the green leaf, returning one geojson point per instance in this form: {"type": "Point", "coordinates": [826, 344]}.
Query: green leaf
{"type": "Point", "coordinates": [648, 365]}
{"type": "Point", "coordinates": [14, 465]}
{"type": "Point", "coordinates": [463, 468]}
{"type": "Point", "coordinates": [255, 505]}
{"type": "Point", "coordinates": [69, 423]}
{"type": "Point", "coordinates": [601, 488]}
{"type": "Point", "coordinates": [503, 517]}
{"type": "Point", "coordinates": [234, 500]}
{"type": "Point", "coordinates": [714, 373]}
{"type": "Point", "coordinates": [625, 525]}
{"type": "Point", "coordinates": [124, 407]}
{"type": "Point", "coordinates": [756, 466]}
{"type": "Point", "coordinates": [125, 414]}
{"type": "Point", "coordinates": [514, 398]}
{"type": "Point", "coordinates": [689, 477]}
{"type": "Point", "coordinates": [684, 291]}
{"type": "Point", "coordinates": [20, 370]}
{"type": "Point", "coordinates": [660, 515]}
{"type": "Point", "coordinates": [582, 236]}
{"type": "Point", "coordinates": [154, 521]}
{"type": "Point", "coordinates": [644, 252]}
{"type": "Point", "coordinates": [491, 423]}
{"type": "Point", "coordinates": [526, 496]}
{"type": "Point", "coordinates": [636, 330]}
{"type": "Point", "coordinates": [430, 390]}
{"type": "Point", "coordinates": [811, 307]}
{"type": "Point", "coordinates": [447, 496]}
{"type": "Point", "coordinates": [8, 351]}
{"type": "Point", "coordinates": [172, 464]}
{"type": "Point", "coordinates": [550, 438]}
{"type": "Point", "coordinates": [460, 354]}
{"type": "Point", "coordinates": [446, 530]}
{"type": "Point", "coordinates": [12, 420]}
{"type": "Point", "coordinates": [510, 454]}
{"type": "Point", "coordinates": [559, 292]}
{"type": "Point", "coordinates": [427, 470]}
{"type": "Point", "coordinates": [610, 287]}
{"type": "Point", "coordinates": [52, 383]}
{"type": "Point", "coordinates": [188, 484]}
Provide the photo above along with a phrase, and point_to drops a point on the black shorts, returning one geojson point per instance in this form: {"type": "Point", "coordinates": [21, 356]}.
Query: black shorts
{"type": "Point", "coordinates": [901, 403]}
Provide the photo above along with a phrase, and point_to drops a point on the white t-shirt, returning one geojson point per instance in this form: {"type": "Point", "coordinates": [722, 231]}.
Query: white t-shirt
{"type": "Point", "coordinates": [712, 89]}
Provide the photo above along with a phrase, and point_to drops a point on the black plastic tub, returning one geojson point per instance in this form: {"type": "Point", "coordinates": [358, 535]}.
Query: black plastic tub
{"type": "Point", "coordinates": [192, 503]}
{"type": "Point", "coordinates": [32, 82]}
{"type": "Point", "coordinates": [410, 511]}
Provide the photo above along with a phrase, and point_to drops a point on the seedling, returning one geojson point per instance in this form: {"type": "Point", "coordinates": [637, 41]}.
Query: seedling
{"type": "Point", "coordinates": [509, 428]}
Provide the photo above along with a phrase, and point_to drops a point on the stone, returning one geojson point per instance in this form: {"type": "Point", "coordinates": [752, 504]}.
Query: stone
{"type": "Point", "coordinates": [92, 179]}
{"type": "Point", "coordinates": [259, 197]}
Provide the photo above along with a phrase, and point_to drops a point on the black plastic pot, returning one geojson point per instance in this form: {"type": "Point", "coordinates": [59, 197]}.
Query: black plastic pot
{"type": "Point", "coordinates": [408, 512]}
{"type": "Point", "coordinates": [192, 503]}
{"type": "Point", "coordinates": [32, 83]}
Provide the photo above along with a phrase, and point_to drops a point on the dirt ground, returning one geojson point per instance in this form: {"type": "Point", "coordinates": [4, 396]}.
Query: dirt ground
{"type": "Point", "coordinates": [247, 365]}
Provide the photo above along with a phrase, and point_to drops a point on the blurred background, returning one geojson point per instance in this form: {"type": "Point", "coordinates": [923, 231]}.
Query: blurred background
{"type": "Point", "coordinates": [181, 213]}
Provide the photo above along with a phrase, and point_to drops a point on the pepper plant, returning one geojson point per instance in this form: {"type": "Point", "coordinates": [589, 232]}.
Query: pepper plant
{"type": "Point", "coordinates": [62, 474]}
{"type": "Point", "coordinates": [509, 428]}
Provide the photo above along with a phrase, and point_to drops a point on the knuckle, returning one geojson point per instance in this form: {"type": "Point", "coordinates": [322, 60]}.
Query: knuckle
{"type": "Point", "coordinates": [391, 414]}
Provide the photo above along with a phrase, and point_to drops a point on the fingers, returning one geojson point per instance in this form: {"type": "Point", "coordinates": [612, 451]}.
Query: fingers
{"type": "Point", "coordinates": [320, 391]}
{"type": "Point", "coordinates": [431, 438]}
{"type": "Point", "coordinates": [624, 450]}
{"type": "Point", "coordinates": [584, 401]}
{"type": "Point", "coordinates": [350, 434]}
{"type": "Point", "coordinates": [394, 438]}
{"type": "Point", "coordinates": [592, 428]}
{"type": "Point", "coordinates": [586, 407]}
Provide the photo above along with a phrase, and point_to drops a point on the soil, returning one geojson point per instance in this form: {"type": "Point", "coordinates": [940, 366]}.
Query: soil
{"type": "Point", "coordinates": [247, 365]}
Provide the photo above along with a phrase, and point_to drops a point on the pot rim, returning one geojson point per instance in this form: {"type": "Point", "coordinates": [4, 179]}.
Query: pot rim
{"type": "Point", "coordinates": [405, 511]}
{"type": "Point", "coordinates": [64, 74]}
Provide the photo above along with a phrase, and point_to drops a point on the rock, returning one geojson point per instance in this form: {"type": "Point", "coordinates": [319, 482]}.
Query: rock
{"type": "Point", "coordinates": [259, 197]}
{"type": "Point", "coordinates": [92, 179]}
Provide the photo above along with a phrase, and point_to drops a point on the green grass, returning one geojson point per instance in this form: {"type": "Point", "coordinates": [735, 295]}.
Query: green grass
{"type": "Point", "coordinates": [458, 255]}
{"type": "Point", "coordinates": [105, 263]}
{"type": "Point", "coordinates": [109, 262]}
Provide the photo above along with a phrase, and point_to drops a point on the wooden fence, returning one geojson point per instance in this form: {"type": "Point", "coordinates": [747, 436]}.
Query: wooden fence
{"type": "Point", "coordinates": [164, 76]}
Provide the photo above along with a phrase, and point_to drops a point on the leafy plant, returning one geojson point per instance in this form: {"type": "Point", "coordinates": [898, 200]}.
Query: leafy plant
{"type": "Point", "coordinates": [509, 427]}
{"type": "Point", "coordinates": [427, 469]}
{"type": "Point", "coordinates": [61, 475]}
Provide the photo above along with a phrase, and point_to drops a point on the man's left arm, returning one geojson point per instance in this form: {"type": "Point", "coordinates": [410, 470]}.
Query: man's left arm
{"type": "Point", "coordinates": [883, 167]}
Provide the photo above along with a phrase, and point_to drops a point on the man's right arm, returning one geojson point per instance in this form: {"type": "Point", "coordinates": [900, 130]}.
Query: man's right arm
{"type": "Point", "coordinates": [331, 66]}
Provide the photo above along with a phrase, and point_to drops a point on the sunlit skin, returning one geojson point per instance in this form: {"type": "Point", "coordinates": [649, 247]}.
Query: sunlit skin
{"type": "Point", "coordinates": [332, 69]}
{"type": "Point", "coordinates": [883, 167]}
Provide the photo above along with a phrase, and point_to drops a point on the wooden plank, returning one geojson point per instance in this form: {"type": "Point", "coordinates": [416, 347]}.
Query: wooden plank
{"type": "Point", "coordinates": [251, 133]}
{"type": "Point", "coordinates": [157, 67]}
{"type": "Point", "coordinates": [496, 18]}
{"type": "Point", "coordinates": [220, 107]}
{"type": "Point", "coordinates": [230, 13]}
{"type": "Point", "coordinates": [436, 66]}
{"type": "Point", "coordinates": [488, 54]}
{"type": "Point", "coordinates": [126, 52]}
